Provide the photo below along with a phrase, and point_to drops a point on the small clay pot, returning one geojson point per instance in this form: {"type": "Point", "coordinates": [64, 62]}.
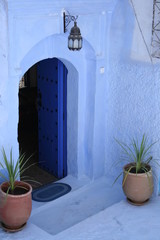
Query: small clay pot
{"type": "Point", "coordinates": [15, 209]}
{"type": "Point", "coordinates": [137, 187]}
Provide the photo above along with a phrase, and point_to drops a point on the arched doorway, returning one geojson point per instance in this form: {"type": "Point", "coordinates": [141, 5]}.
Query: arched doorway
{"type": "Point", "coordinates": [81, 81]}
{"type": "Point", "coordinates": [42, 128]}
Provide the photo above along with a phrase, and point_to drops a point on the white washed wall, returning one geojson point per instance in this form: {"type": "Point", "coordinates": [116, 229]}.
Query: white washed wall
{"type": "Point", "coordinates": [132, 96]}
{"type": "Point", "coordinates": [35, 32]}
{"type": "Point", "coordinates": [4, 94]}
{"type": "Point", "coordinates": [117, 88]}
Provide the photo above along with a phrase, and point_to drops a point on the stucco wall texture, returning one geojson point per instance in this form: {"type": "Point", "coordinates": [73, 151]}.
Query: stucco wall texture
{"type": "Point", "coordinates": [132, 97]}
{"type": "Point", "coordinates": [3, 70]}
{"type": "Point", "coordinates": [126, 96]}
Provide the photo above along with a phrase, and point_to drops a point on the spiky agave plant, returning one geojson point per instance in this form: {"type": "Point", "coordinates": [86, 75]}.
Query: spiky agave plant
{"type": "Point", "coordinates": [13, 170]}
{"type": "Point", "coordinates": [139, 155]}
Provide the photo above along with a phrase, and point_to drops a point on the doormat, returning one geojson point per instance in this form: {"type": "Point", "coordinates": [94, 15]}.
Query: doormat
{"type": "Point", "coordinates": [50, 192]}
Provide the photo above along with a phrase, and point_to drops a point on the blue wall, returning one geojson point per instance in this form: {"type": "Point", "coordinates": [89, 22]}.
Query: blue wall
{"type": "Point", "coordinates": [132, 97]}
{"type": "Point", "coordinates": [117, 88]}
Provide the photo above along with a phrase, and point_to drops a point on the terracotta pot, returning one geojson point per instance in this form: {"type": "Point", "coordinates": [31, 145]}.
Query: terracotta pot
{"type": "Point", "coordinates": [15, 209]}
{"type": "Point", "coordinates": [138, 187]}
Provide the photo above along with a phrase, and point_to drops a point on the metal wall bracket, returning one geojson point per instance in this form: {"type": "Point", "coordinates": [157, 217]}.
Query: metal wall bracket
{"type": "Point", "coordinates": [156, 29]}
{"type": "Point", "coordinates": [67, 18]}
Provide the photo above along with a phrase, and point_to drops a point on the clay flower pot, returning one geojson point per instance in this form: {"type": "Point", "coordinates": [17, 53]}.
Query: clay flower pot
{"type": "Point", "coordinates": [15, 209]}
{"type": "Point", "coordinates": [137, 187]}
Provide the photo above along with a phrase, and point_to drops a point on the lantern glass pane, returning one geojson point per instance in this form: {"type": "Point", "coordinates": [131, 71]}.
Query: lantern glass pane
{"type": "Point", "coordinates": [75, 46]}
{"type": "Point", "coordinates": [70, 43]}
{"type": "Point", "coordinates": [80, 43]}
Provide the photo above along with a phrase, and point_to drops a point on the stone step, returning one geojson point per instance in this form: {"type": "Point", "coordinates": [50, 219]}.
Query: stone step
{"type": "Point", "coordinates": [67, 211]}
{"type": "Point", "coordinates": [119, 221]}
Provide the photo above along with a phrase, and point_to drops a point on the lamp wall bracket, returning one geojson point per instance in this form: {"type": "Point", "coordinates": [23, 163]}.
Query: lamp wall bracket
{"type": "Point", "coordinates": [67, 18]}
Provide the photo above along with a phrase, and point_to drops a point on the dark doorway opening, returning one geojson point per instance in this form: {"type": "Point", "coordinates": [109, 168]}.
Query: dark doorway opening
{"type": "Point", "coordinates": [42, 127]}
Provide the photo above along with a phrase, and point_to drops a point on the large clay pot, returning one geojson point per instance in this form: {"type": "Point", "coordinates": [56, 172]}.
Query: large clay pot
{"type": "Point", "coordinates": [15, 209]}
{"type": "Point", "coordinates": [137, 187]}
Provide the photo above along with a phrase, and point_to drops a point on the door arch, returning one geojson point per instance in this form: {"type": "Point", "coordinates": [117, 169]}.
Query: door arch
{"type": "Point", "coordinates": [81, 82]}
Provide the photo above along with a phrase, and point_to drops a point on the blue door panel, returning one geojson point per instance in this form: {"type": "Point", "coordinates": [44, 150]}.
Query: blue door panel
{"type": "Point", "coordinates": [50, 83]}
{"type": "Point", "coordinates": [65, 72]}
{"type": "Point", "coordinates": [60, 118]}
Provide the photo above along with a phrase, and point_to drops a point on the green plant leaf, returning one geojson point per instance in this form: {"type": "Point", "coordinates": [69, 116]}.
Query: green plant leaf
{"type": "Point", "coordinates": [14, 170]}
{"type": "Point", "coordinates": [127, 150]}
{"type": "Point", "coordinates": [148, 176]}
{"type": "Point", "coordinates": [126, 174]}
{"type": "Point", "coordinates": [117, 178]}
{"type": "Point", "coordinates": [140, 154]}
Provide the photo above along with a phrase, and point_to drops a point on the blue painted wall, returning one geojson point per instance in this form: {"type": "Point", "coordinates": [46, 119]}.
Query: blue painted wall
{"type": "Point", "coordinates": [132, 96]}
{"type": "Point", "coordinates": [114, 86]}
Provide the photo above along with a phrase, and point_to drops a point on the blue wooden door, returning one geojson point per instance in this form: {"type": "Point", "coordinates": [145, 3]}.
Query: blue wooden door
{"type": "Point", "coordinates": [52, 120]}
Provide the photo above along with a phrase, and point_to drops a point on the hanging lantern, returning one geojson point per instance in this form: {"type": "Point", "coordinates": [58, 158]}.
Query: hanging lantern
{"type": "Point", "coordinates": [75, 38]}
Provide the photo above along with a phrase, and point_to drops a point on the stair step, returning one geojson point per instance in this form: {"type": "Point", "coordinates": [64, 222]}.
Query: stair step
{"type": "Point", "coordinates": [63, 213]}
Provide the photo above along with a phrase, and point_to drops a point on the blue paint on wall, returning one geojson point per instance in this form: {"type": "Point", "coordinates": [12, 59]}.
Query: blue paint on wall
{"type": "Point", "coordinates": [132, 98]}
{"type": "Point", "coordinates": [114, 94]}
{"type": "Point", "coordinates": [4, 173]}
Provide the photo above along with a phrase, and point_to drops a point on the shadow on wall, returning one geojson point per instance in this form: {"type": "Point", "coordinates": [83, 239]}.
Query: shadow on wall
{"type": "Point", "coordinates": [131, 30]}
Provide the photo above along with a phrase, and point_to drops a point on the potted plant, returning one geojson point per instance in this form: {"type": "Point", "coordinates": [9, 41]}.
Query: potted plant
{"type": "Point", "coordinates": [137, 173]}
{"type": "Point", "coordinates": [15, 195]}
